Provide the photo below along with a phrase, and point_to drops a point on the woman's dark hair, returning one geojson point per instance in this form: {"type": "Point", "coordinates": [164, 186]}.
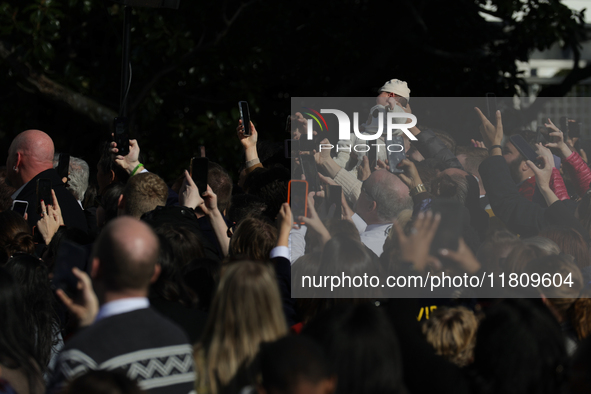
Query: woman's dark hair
{"type": "Point", "coordinates": [110, 200]}
{"type": "Point", "coordinates": [15, 235]}
{"type": "Point", "coordinates": [107, 164]}
{"type": "Point", "coordinates": [269, 184]}
{"type": "Point", "coordinates": [103, 382]}
{"type": "Point", "coordinates": [17, 349]}
{"type": "Point", "coordinates": [519, 349]}
{"type": "Point", "coordinates": [362, 347]}
{"type": "Point", "coordinates": [170, 284]}
{"type": "Point", "coordinates": [30, 273]}
{"type": "Point", "coordinates": [254, 238]}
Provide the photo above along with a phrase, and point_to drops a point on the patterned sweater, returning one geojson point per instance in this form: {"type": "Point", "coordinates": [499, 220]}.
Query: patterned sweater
{"type": "Point", "coordinates": [147, 346]}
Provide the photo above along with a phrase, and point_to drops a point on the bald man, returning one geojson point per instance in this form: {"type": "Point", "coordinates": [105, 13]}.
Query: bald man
{"type": "Point", "coordinates": [126, 334]}
{"type": "Point", "coordinates": [30, 158]}
{"type": "Point", "coordinates": [383, 196]}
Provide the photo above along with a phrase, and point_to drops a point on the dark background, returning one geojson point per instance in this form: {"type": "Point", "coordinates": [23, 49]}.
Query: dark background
{"type": "Point", "coordinates": [60, 65]}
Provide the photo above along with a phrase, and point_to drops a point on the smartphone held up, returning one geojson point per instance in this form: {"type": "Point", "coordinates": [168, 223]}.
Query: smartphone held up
{"type": "Point", "coordinates": [245, 117]}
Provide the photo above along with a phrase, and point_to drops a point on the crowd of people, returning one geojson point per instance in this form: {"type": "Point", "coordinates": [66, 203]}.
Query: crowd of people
{"type": "Point", "coordinates": [132, 284]}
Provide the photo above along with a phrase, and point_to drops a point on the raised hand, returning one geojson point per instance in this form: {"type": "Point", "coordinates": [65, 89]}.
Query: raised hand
{"type": "Point", "coordinates": [492, 135]}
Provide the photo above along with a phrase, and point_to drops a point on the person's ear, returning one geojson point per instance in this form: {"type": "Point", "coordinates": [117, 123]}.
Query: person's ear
{"type": "Point", "coordinates": [95, 268]}
{"type": "Point", "coordinates": [524, 167]}
{"type": "Point", "coordinates": [156, 274]}
{"type": "Point", "coordinates": [111, 176]}
{"type": "Point", "coordinates": [19, 158]}
{"type": "Point", "coordinates": [121, 205]}
{"type": "Point", "coordinates": [373, 206]}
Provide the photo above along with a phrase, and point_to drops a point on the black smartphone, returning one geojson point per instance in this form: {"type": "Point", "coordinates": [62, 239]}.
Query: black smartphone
{"type": "Point", "coordinates": [450, 227]}
{"type": "Point", "coordinates": [395, 151]}
{"type": "Point", "coordinates": [63, 166]}
{"type": "Point", "coordinates": [198, 171]}
{"type": "Point", "coordinates": [564, 127]}
{"type": "Point", "coordinates": [542, 134]}
{"type": "Point", "coordinates": [523, 147]}
{"type": "Point", "coordinates": [20, 207]}
{"type": "Point", "coordinates": [245, 116]}
{"type": "Point", "coordinates": [491, 107]}
{"type": "Point", "coordinates": [333, 198]}
{"type": "Point", "coordinates": [121, 132]}
{"type": "Point", "coordinates": [575, 130]}
{"type": "Point", "coordinates": [292, 148]}
{"type": "Point", "coordinates": [69, 255]}
{"type": "Point", "coordinates": [372, 156]}
{"type": "Point", "coordinates": [297, 197]}
{"type": "Point", "coordinates": [43, 193]}
{"type": "Point", "coordinates": [310, 172]}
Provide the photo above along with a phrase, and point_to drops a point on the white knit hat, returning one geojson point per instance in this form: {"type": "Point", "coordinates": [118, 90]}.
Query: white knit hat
{"type": "Point", "coordinates": [396, 86]}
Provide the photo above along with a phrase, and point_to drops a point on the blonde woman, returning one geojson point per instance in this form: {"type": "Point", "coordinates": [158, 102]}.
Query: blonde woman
{"type": "Point", "coordinates": [246, 311]}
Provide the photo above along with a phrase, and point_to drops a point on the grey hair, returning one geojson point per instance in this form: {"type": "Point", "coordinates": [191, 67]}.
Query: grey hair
{"type": "Point", "coordinates": [78, 177]}
{"type": "Point", "coordinates": [547, 245]}
{"type": "Point", "coordinates": [389, 201]}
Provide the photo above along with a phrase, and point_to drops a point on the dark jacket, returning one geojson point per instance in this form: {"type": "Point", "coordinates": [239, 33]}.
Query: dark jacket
{"type": "Point", "coordinates": [71, 211]}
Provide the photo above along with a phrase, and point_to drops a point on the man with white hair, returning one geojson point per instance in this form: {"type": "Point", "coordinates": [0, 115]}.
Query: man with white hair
{"type": "Point", "coordinates": [30, 158]}
{"type": "Point", "coordinates": [78, 174]}
{"type": "Point", "coordinates": [394, 95]}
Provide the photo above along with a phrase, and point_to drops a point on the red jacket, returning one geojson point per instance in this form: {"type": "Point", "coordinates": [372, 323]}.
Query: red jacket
{"type": "Point", "coordinates": [579, 172]}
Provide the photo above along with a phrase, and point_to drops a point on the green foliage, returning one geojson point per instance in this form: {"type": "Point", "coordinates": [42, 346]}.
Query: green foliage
{"type": "Point", "coordinates": [190, 68]}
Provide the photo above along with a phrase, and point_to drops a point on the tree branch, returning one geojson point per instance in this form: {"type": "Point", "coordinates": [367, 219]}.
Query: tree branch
{"type": "Point", "coordinates": [78, 102]}
{"type": "Point", "coordinates": [141, 97]}
{"type": "Point", "coordinates": [560, 90]}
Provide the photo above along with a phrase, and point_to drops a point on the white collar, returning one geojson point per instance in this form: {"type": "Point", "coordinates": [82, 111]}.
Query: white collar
{"type": "Point", "coordinates": [123, 305]}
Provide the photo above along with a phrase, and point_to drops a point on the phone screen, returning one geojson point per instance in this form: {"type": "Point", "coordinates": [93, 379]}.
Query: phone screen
{"type": "Point", "coordinates": [298, 198]}
{"type": "Point", "coordinates": [395, 150]}
{"type": "Point", "coordinates": [523, 147]}
{"type": "Point", "coordinates": [564, 126]}
{"type": "Point", "coordinates": [43, 193]}
{"type": "Point", "coordinates": [69, 255]}
{"type": "Point", "coordinates": [311, 172]}
{"type": "Point", "coordinates": [63, 167]}
{"type": "Point", "coordinates": [20, 207]}
{"type": "Point", "coordinates": [334, 198]}
{"type": "Point", "coordinates": [121, 127]}
{"type": "Point", "coordinates": [245, 116]}
{"type": "Point", "coordinates": [199, 169]}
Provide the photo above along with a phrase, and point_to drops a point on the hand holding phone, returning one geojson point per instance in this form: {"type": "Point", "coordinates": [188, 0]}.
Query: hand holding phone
{"type": "Point", "coordinates": [297, 197]}
{"type": "Point", "coordinates": [121, 134]}
{"type": "Point", "coordinates": [334, 199]}
{"type": "Point", "coordinates": [310, 172]}
{"type": "Point", "coordinates": [245, 116]}
{"type": "Point", "coordinates": [63, 167]}
{"type": "Point", "coordinates": [43, 193]}
{"type": "Point", "coordinates": [20, 207]}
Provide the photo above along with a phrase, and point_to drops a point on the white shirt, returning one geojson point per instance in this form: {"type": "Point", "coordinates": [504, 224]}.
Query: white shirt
{"type": "Point", "coordinates": [373, 236]}
{"type": "Point", "coordinates": [123, 305]}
